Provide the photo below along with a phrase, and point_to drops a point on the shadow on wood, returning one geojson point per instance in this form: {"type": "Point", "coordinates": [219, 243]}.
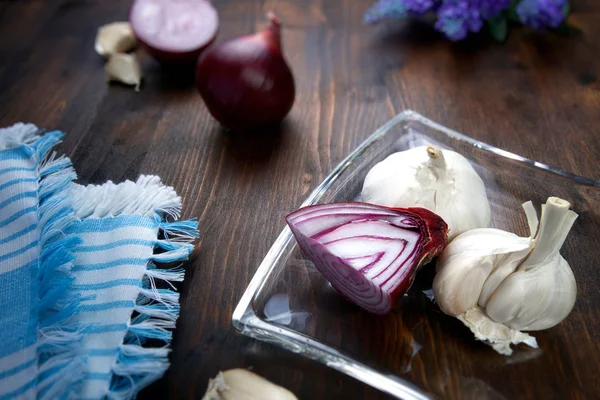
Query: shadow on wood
{"type": "Point", "coordinates": [254, 147]}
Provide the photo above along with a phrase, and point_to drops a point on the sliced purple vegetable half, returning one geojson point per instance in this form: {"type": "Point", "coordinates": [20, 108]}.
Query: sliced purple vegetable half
{"type": "Point", "coordinates": [174, 30]}
{"type": "Point", "coordinates": [370, 254]}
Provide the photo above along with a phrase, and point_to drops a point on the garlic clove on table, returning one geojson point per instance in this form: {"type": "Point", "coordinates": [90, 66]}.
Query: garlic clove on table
{"type": "Point", "coordinates": [241, 384]}
{"type": "Point", "coordinates": [116, 37]}
{"type": "Point", "coordinates": [124, 68]}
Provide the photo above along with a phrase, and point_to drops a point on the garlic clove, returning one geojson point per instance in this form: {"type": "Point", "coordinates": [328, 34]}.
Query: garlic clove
{"type": "Point", "coordinates": [241, 384]}
{"type": "Point", "coordinates": [499, 336]}
{"type": "Point", "coordinates": [505, 265]}
{"type": "Point", "coordinates": [457, 288]}
{"type": "Point", "coordinates": [535, 299]}
{"type": "Point", "coordinates": [116, 37]}
{"type": "Point", "coordinates": [124, 68]}
{"type": "Point", "coordinates": [466, 263]}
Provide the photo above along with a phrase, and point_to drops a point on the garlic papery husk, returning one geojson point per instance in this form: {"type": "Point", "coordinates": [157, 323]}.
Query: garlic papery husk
{"type": "Point", "coordinates": [116, 37]}
{"type": "Point", "coordinates": [499, 336]}
{"type": "Point", "coordinates": [499, 284]}
{"type": "Point", "coordinates": [442, 181]}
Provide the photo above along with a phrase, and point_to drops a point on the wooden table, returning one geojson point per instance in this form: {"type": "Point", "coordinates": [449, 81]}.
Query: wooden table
{"type": "Point", "coordinates": [537, 95]}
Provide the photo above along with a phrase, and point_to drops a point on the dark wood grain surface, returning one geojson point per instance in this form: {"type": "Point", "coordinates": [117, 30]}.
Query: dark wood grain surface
{"type": "Point", "coordinates": [537, 95]}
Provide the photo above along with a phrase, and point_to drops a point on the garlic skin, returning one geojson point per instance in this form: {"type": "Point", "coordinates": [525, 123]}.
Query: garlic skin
{"type": "Point", "coordinates": [116, 37]}
{"type": "Point", "coordinates": [241, 384]}
{"type": "Point", "coordinates": [498, 283]}
{"type": "Point", "coordinates": [499, 336]}
{"type": "Point", "coordinates": [124, 68]}
{"type": "Point", "coordinates": [442, 181]}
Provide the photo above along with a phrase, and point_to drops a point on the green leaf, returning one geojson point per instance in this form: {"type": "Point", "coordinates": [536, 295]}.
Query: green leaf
{"type": "Point", "coordinates": [566, 9]}
{"type": "Point", "coordinates": [512, 11]}
{"type": "Point", "coordinates": [498, 28]}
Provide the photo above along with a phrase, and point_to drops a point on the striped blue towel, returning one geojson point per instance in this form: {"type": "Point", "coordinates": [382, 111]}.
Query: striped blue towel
{"type": "Point", "coordinates": [37, 334]}
{"type": "Point", "coordinates": [81, 307]}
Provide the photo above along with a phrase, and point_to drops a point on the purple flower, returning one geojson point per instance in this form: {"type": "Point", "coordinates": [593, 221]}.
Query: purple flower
{"type": "Point", "coordinates": [540, 14]}
{"type": "Point", "coordinates": [456, 18]}
{"type": "Point", "coordinates": [421, 6]}
{"type": "Point", "coordinates": [491, 8]}
{"type": "Point", "coordinates": [385, 9]}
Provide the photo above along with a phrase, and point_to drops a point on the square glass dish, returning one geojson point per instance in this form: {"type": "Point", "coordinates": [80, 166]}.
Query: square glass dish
{"type": "Point", "coordinates": [416, 351]}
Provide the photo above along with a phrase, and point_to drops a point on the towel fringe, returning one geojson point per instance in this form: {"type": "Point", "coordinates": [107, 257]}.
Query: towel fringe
{"type": "Point", "coordinates": [158, 310]}
{"type": "Point", "coordinates": [147, 196]}
{"type": "Point", "coordinates": [59, 337]}
{"type": "Point", "coordinates": [167, 275]}
{"type": "Point", "coordinates": [163, 296]}
{"type": "Point", "coordinates": [179, 231]}
{"type": "Point", "coordinates": [53, 164]}
{"type": "Point", "coordinates": [44, 144]}
{"type": "Point", "coordinates": [18, 134]}
{"type": "Point", "coordinates": [162, 311]}
{"type": "Point", "coordinates": [177, 254]}
{"type": "Point", "coordinates": [172, 245]}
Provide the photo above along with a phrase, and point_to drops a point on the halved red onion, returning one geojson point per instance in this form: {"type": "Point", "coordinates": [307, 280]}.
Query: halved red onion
{"type": "Point", "coordinates": [174, 30]}
{"type": "Point", "coordinates": [370, 254]}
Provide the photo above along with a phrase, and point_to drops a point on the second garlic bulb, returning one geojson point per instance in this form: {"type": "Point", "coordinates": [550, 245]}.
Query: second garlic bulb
{"type": "Point", "coordinates": [498, 283]}
{"type": "Point", "coordinates": [442, 181]}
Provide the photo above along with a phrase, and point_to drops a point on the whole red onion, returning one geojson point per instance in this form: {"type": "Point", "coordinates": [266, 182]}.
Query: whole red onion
{"type": "Point", "coordinates": [246, 82]}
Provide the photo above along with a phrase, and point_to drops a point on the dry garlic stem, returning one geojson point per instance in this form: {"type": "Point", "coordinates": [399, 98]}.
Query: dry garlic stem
{"type": "Point", "coordinates": [124, 68]}
{"type": "Point", "coordinates": [115, 38]}
{"type": "Point", "coordinates": [240, 384]}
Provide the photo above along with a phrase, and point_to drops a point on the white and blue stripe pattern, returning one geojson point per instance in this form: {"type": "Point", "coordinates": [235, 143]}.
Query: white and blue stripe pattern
{"type": "Point", "coordinates": [36, 336]}
{"type": "Point", "coordinates": [76, 262]}
{"type": "Point", "coordinates": [115, 263]}
{"type": "Point", "coordinates": [110, 263]}
{"type": "Point", "coordinates": [19, 259]}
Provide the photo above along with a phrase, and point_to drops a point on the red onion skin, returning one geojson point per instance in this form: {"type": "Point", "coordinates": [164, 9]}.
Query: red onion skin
{"type": "Point", "coordinates": [245, 82]}
{"type": "Point", "coordinates": [437, 232]}
{"type": "Point", "coordinates": [434, 228]}
{"type": "Point", "coordinates": [169, 57]}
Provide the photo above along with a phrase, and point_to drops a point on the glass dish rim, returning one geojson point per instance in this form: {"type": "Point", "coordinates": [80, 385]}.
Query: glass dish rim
{"type": "Point", "coordinates": [247, 322]}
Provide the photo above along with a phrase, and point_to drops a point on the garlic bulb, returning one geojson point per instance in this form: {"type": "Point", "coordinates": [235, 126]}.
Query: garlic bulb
{"type": "Point", "coordinates": [498, 283]}
{"type": "Point", "coordinates": [441, 181]}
